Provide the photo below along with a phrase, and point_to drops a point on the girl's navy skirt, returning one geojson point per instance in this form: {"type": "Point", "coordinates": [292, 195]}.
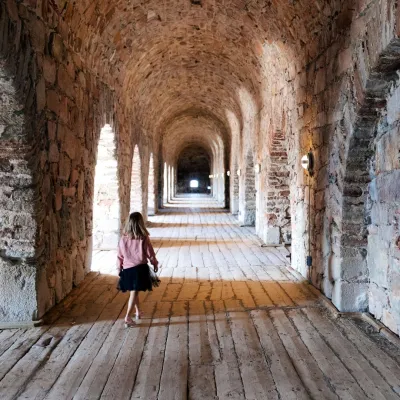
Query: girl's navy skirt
{"type": "Point", "coordinates": [135, 278]}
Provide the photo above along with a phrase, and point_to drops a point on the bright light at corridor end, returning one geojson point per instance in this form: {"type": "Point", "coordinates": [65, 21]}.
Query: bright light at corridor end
{"type": "Point", "coordinates": [194, 183]}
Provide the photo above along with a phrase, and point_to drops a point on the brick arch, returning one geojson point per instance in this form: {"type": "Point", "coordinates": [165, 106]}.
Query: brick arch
{"type": "Point", "coordinates": [352, 280]}
{"type": "Point", "coordinates": [136, 200]}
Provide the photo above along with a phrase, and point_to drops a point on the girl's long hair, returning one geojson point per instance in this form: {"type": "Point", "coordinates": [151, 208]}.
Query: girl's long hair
{"type": "Point", "coordinates": [135, 228]}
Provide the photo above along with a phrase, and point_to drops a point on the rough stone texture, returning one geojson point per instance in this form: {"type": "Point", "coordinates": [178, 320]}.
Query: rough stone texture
{"type": "Point", "coordinates": [19, 195]}
{"type": "Point", "coordinates": [234, 189]}
{"type": "Point", "coordinates": [50, 157]}
{"type": "Point", "coordinates": [247, 193]}
{"type": "Point", "coordinates": [226, 77]}
{"type": "Point", "coordinates": [383, 256]}
{"type": "Point", "coordinates": [277, 204]}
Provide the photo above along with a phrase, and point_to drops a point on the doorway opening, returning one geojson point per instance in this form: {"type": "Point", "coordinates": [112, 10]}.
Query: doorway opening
{"type": "Point", "coordinates": [151, 200]}
{"type": "Point", "coordinates": [106, 207]}
{"type": "Point", "coordinates": [193, 170]}
{"type": "Point", "coordinates": [136, 183]}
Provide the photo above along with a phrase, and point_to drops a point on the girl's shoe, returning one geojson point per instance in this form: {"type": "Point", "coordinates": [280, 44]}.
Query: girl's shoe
{"type": "Point", "coordinates": [139, 315]}
{"type": "Point", "coordinates": [129, 322]}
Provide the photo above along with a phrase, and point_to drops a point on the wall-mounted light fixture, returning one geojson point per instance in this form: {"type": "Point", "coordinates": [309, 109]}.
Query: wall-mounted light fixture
{"type": "Point", "coordinates": [210, 176]}
{"type": "Point", "coordinates": [238, 172]}
{"type": "Point", "coordinates": [228, 173]}
{"type": "Point", "coordinates": [257, 168]}
{"type": "Point", "coordinates": [307, 162]}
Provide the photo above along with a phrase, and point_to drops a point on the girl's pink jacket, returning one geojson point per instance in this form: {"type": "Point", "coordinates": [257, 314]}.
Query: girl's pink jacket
{"type": "Point", "coordinates": [133, 252]}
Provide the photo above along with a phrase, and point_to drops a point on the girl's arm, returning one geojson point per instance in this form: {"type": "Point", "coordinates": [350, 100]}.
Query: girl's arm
{"type": "Point", "coordinates": [120, 258]}
{"type": "Point", "coordinates": [151, 255]}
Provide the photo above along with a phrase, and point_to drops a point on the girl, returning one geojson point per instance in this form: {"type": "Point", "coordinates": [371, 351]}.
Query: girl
{"type": "Point", "coordinates": [134, 249]}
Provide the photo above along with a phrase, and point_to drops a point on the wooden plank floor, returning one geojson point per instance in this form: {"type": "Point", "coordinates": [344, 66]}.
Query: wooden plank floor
{"type": "Point", "coordinates": [229, 321]}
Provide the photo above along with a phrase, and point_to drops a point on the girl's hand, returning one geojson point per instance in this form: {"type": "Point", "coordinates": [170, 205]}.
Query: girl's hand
{"type": "Point", "coordinates": [156, 268]}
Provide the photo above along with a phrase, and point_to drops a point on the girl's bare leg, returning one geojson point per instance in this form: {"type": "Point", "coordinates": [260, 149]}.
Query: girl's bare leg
{"type": "Point", "coordinates": [131, 303]}
{"type": "Point", "coordinates": [137, 302]}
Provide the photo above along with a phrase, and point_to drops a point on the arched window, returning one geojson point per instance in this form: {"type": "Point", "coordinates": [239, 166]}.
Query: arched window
{"type": "Point", "coordinates": [151, 200]}
{"type": "Point", "coordinates": [136, 182]}
{"type": "Point", "coordinates": [106, 207]}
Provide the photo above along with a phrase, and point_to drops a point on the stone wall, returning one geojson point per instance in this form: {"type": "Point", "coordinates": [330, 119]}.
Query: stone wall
{"type": "Point", "coordinates": [383, 250]}
{"type": "Point", "coordinates": [247, 196]}
{"type": "Point", "coordinates": [19, 197]}
{"type": "Point", "coordinates": [321, 75]}
{"type": "Point", "coordinates": [234, 185]}
{"type": "Point", "coordinates": [278, 227]}
{"type": "Point", "coordinates": [59, 110]}
{"type": "Point", "coordinates": [351, 81]}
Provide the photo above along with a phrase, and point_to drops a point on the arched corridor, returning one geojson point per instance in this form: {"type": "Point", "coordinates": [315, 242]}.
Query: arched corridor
{"type": "Point", "coordinates": [259, 139]}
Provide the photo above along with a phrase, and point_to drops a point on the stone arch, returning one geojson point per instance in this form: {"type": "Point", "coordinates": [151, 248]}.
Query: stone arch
{"type": "Point", "coordinates": [136, 201]}
{"type": "Point", "coordinates": [370, 197]}
{"type": "Point", "coordinates": [106, 204]}
{"type": "Point", "coordinates": [151, 200]}
{"type": "Point", "coordinates": [193, 162]}
{"type": "Point", "coordinates": [203, 128]}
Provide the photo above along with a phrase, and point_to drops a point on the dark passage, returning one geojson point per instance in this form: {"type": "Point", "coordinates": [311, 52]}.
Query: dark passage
{"type": "Point", "coordinates": [193, 170]}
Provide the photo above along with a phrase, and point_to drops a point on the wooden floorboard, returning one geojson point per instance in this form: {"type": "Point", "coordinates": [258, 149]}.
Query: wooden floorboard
{"type": "Point", "coordinates": [229, 321]}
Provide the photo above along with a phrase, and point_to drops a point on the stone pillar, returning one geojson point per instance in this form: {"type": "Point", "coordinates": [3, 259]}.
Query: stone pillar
{"type": "Point", "coordinates": [234, 178]}
{"type": "Point", "coordinates": [247, 207]}
{"type": "Point", "coordinates": [169, 183]}
{"type": "Point", "coordinates": [18, 265]}
{"type": "Point", "coordinates": [165, 184]}
{"type": "Point", "coordinates": [278, 227]}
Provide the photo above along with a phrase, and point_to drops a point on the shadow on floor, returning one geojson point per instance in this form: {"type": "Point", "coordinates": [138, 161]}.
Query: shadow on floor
{"type": "Point", "coordinates": [101, 292]}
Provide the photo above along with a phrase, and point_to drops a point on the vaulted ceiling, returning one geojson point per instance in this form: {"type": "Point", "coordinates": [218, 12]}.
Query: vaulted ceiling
{"type": "Point", "coordinates": [167, 58]}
